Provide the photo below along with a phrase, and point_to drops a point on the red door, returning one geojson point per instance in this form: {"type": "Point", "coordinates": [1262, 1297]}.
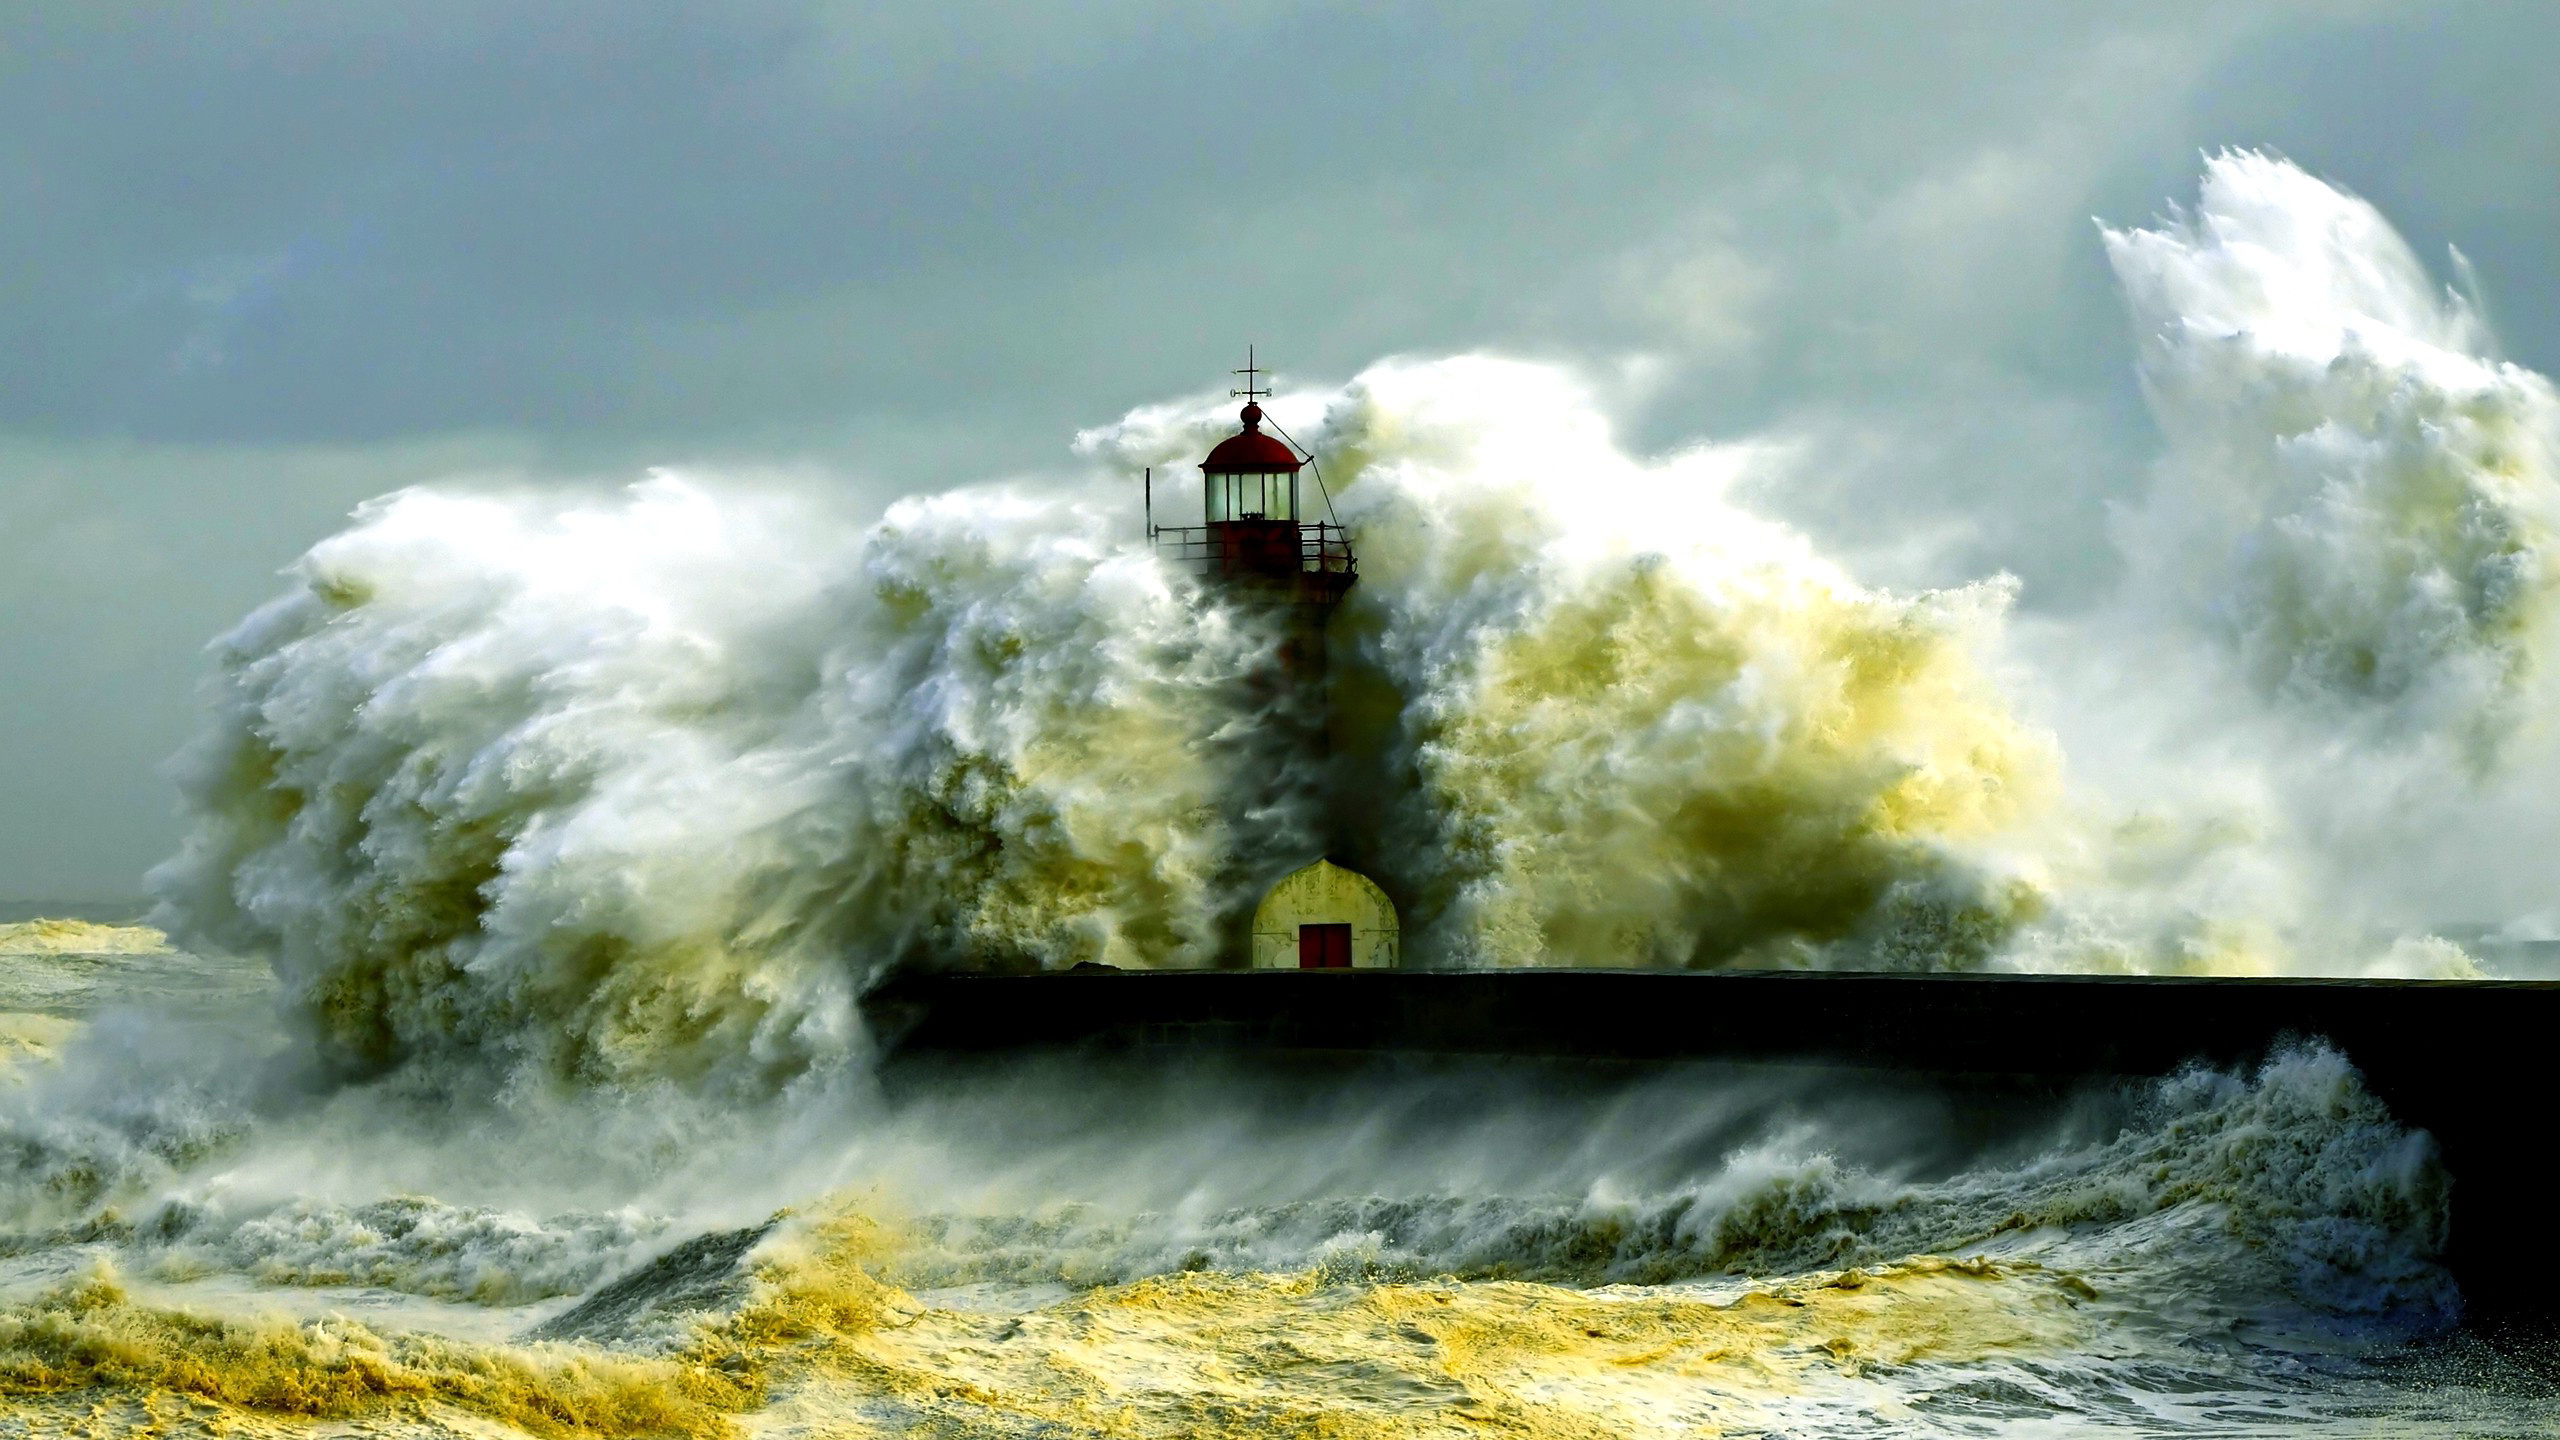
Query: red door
{"type": "Point", "coordinates": [1324, 947]}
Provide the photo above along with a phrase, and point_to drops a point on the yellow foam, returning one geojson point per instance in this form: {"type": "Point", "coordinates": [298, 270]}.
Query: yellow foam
{"type": "Point", "coordinates": [80, 937]}
{"type": "Point", "coordinates": [91, 1335]}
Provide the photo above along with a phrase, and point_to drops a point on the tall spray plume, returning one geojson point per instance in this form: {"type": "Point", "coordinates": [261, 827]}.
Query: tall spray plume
{"type": "Point", "coordinates": [2358, 499]}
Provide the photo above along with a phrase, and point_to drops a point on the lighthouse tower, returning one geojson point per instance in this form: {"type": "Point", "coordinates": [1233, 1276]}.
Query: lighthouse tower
{"type": "Point", "coordinates": [1268, 542]}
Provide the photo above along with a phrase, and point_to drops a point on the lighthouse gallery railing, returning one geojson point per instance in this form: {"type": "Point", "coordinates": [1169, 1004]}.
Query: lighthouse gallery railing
{"type": "Point", "coordinates": [1322, 549]}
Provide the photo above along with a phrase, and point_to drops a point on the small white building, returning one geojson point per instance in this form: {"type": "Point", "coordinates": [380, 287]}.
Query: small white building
{"type": "Point", "coordinates": [1325, 918]}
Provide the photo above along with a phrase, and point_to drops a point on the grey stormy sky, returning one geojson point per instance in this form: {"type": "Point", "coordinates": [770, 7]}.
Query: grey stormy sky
{"type": "Point", "coordinates": [261, 261]}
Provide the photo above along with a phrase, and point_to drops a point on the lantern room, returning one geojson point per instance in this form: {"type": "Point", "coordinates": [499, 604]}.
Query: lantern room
{"type": "Point", "coordinates": [1250, 475]}
{"type": "Point", "coordinates": [1267, 528]}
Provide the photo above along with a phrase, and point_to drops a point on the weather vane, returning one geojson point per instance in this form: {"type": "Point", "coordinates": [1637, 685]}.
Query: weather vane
{"type": "Point", "coordinates": [1248, 372]}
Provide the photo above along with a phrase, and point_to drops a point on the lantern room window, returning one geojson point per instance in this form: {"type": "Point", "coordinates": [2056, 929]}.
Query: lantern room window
{"type": "Point", "coordinates": [1252, 495]}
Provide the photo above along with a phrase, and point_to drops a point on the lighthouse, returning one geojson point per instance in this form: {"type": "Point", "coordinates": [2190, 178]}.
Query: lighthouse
{"type": "Point", "coordinates": [1269, 543]}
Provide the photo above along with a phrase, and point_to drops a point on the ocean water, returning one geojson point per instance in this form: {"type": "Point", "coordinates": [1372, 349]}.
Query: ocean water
{"type": "Point", "coordinates": [200, 1235]}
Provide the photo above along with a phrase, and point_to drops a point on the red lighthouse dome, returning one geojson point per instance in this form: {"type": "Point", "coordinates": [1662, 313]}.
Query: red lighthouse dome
{"type": "Point", "coordinates": [1251, 450]}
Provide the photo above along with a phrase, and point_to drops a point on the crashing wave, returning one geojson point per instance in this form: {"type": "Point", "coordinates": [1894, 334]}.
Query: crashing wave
{"type": "Point", "coordinates": [646, 789]}
{"type": "Point", "coordinates": [643, 790]}
{"type": "Point", "coordinates": [2292, 1179]}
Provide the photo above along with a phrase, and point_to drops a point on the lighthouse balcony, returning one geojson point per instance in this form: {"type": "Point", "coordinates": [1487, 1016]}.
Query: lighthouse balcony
{"type": "Point", "coordinates": [1311, 556]}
